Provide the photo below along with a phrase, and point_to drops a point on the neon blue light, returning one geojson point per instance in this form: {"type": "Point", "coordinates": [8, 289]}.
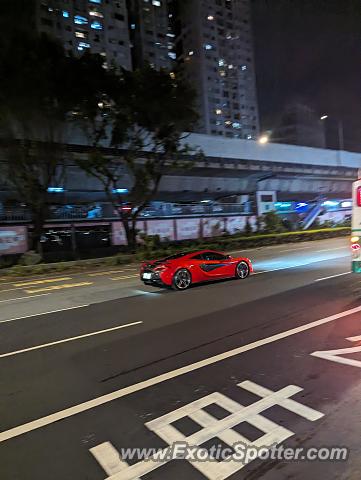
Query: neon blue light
{"type": "Point", "coordinates": [84, 45]}
{"type": "Point", "coordinates": [79, 20]}
{"type": "Point", "coordinates": [56, 190]}
{"type": "Point", "coordinates": [96, 26]}
{"type": "Point", "coordinates": [330, 203]}
{"type": "Point", "coordinates": [283, 204]}
{"type": "Point", "coordinates": [66, 14]}
{"type": "Point", "coordinates": [121, 190]}
{"type": "Point", "coordinates": [95, 1]}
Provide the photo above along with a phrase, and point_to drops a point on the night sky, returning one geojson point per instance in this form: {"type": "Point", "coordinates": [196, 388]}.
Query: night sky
{"type": "Point", "coordinates": [310, 51]}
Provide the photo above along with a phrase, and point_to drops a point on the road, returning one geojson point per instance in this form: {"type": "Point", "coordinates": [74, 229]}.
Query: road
{"type": "Point", "coordinates": [94, 363]}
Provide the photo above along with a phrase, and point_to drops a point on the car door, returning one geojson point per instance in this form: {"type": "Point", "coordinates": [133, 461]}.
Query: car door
{"type": "Point", "coordinates": [216, 265]}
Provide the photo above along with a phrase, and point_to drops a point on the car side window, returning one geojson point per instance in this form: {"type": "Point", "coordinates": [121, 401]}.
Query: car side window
{"type": "Point", "coordinates": [214, 256]}
{"type": "Point", "coordinates": [198, 257]}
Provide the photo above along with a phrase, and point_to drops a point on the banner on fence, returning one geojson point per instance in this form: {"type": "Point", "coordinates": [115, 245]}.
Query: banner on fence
{"type": "Point", "coordinates": [118, 232]}
{"type": "Point", "coordinates": [13, 240]}
{"type": "Point", "coordinates": [213, 227]}
{"type": "Point", "coordinates": [188, 228]}
{"type": "Point", "coordinates": [163, 228]}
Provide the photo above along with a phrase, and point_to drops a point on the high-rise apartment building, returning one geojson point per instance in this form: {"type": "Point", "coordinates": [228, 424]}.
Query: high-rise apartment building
{"type": "Point", "coordinates": [128, 33]}
{"type": "Point", "coordinates": [211, 38]}
{"type": "Point", "coordinates": [97, 25]}
{"type": "Point", "coordinates": [152, 35]}
{"type": "Point", "coordinates": [216, 47]}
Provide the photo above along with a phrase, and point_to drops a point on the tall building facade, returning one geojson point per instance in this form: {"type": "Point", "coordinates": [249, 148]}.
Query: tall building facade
{"type": "Point", "coordinates": [127, 33]}
{"type": "Point", "coordinates": [152, 35]}
{"type": "Point", "coordinates": [97, 25]}
{"type": "Point", "coordinates": [215, 45]}
{"type": "Point", "coordinates": [300, 125]}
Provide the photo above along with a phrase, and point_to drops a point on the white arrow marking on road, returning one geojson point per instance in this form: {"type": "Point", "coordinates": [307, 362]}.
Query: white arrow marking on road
{"type": "Point", "coordinates": [335, 355]}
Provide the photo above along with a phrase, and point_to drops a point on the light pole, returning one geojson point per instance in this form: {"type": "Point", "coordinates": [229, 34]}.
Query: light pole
{"type": "Point", "coordinates": [340, 131]}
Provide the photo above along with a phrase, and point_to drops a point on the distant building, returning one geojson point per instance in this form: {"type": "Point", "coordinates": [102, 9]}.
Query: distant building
{"type": "Point", "coordinates": [127, 33]}
{"type": "Point", "coordinates": [215, 46]}
{"type": "Point", "coordinates": [300, 125]}
{"type": "Point", "coordinates": [96, 25]}
{"type": "Point", "coordinates": [151, 33]}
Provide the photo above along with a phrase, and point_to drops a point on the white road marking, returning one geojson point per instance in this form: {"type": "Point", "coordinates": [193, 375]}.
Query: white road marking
{"type": "Point", "coordinates": [334, 355]}
{"type": "Point", "coordinates": [43, 313]}
{"type": "Point", "coordinates": [332, 276]}
{"type": "Point", "coordinates": [66, 340]}
{"type": "Point", "coordinates": [137, 387]}
{"type": "Point", "coordinates": [224, 429]}
{"type": "Point", "coordinates": [108, 458]}
{"type": "Point", "coordinates": [24, 298]}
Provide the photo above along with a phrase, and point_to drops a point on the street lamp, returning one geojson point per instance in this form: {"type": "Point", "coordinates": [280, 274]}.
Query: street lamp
{"type": "Point", "coordinates": [340, 130]}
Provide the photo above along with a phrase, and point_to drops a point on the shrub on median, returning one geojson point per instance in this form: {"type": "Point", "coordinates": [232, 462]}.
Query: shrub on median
{"type": "Point", "coordinates": [231, 242]}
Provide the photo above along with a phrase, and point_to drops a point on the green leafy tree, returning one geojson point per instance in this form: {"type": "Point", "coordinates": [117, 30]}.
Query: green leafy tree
{"type": "Point", "coordinates": [143, 115]}
{"type": "Point", "coordinates": [36, 97]}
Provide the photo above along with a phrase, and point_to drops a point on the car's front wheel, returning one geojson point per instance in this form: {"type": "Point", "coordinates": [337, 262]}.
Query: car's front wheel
{"type": "Point", "coordinates": [182, 279]}
{"type": "Point", "coordinates": [242, 270]}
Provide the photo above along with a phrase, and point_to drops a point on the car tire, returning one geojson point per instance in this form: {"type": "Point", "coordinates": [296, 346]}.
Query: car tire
{"type": "Point", "coordinates": [182, 279]}
{"type": "Point", "coordinates": [242, 270]}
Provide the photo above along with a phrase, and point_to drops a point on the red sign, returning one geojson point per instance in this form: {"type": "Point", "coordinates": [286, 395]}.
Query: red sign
{"type": "Point", "coordinates": [13, 240]}
{"type": "Point", "coordinates": [358, 196]}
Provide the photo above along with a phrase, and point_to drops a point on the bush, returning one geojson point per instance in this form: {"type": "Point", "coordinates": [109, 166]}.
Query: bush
{"type": "Point", "coordinates": [30, 258]}
{"type": "Point", "coordinates": [273, 223]}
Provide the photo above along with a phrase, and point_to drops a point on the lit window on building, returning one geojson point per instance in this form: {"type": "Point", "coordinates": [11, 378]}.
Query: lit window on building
{"type": "Point", "coordinates": [172, 55]}
{"type": "Point", "coordinates": [210, 17]}
{"type": "Point", "coordinates": [95, 1]}
{"type": "Point", "coordinates": [96, 14]}
{"type": "Point", "coordinates": [66, 14]}
{"type": "Point", "coordinates": [83, 45]}
{"type": "Point", "coordinates": [218, 111]}
{"type": "Point", "coordinates": [96, 26]}
{"type": "Point", "coordinates": [80, 35]}
{"type": "Point", "coordinates": [79, 20]}
{"type": "Point", "coordinates": [208, 46]}
{"type": "Point", "coordinates": [156, 3]}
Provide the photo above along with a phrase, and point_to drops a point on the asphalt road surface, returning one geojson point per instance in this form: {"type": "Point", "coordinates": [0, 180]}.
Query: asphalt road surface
{"type": "Point", "coordinates": [95, 364]}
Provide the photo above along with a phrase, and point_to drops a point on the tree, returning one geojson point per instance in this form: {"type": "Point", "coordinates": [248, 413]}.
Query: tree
{"type": "Point", "coordinates": [35, 100]}
{"type": "Point", "coordinates": [143, 114]}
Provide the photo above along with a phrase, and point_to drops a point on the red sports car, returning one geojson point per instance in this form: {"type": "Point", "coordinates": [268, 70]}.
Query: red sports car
{"type": "Point", "coordinates": [180, 271]}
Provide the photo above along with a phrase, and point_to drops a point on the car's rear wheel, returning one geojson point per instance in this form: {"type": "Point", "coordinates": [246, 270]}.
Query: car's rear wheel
{"type": "Point", "coordinates": [242, 270]}
{"type": "Point", "coordinates": [182, 279]}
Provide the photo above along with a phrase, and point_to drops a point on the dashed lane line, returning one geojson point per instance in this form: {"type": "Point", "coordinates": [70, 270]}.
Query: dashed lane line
{"type": "Point", "coordinates": [60, 287]}
{"type": "Point", "coordinates": [43, 313]}
{"type": "Point", "coordinates": [24, 298]}
{"type": "Point", "coordinates": [40, 282]}
{"type": "Point", "coordinates": [124, 277]}
{"type": "Point", "coordinates": [67, 340]}
{"type": "Point", "coordinates": [100, 274]}
{"type": "Point", "coordinates": [137, 387]}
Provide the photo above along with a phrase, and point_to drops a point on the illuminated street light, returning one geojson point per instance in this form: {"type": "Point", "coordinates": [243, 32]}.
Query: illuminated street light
{"type": "Point", "coordinates": [324, 117]}
{"type": "Point", "coordinates": [263, 140]}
